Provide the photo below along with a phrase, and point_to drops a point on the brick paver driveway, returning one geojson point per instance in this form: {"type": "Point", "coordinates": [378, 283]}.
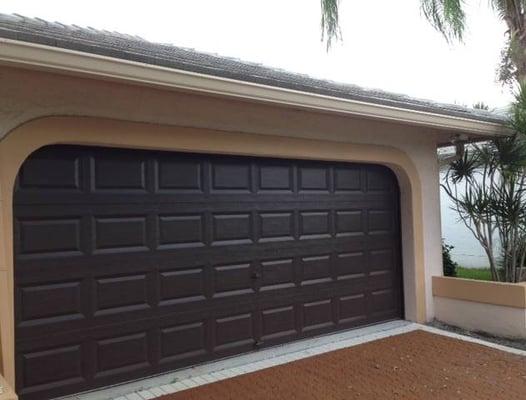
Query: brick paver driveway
{"type": "Point", "coordinates": [416, 365]}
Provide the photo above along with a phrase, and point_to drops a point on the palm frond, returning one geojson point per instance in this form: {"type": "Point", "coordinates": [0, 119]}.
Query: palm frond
{"type": "Point", "coordinates": [446, 16]}
{"type": "Point", "coordinates": [508, 203]}
{"type": "Point", "coordinates": [510, 154]}
{"type": "Point", "coordinates": [512, 60]}
{"type": "Point", "coordinates": [330, 26]}
{"type": "Point", "coordinates": [507, 70]}
{"type": "Point", "coordinates": [501, 7]}
{"type": "Point", "coordinates": [509, 10]}
{"type": "Point", "coordinates": [474, 204]}
{"type": "Point", "coordinates": [464, 168]}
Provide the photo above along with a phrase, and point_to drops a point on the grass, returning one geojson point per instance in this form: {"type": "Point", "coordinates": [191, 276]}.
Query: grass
{"type": "Point", "coordinates": [481, 274]}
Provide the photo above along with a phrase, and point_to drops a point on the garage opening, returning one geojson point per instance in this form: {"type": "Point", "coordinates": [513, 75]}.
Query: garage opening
{"type": "Point", "coordinates": [129, 263]}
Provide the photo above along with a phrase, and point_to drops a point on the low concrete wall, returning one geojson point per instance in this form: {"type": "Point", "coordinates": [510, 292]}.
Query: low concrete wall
{"type": "Point", "coordinates": [492, 307]}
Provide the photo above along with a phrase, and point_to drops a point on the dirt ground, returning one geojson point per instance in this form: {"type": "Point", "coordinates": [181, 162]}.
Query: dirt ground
{"type": "Point", "coordinates": [417, 365]}
{"type": "Point", "coordinates": [510, 342]}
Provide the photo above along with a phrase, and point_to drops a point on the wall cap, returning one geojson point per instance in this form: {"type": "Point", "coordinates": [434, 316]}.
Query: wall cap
{"type": "Point", "coordinates": [488, 292]}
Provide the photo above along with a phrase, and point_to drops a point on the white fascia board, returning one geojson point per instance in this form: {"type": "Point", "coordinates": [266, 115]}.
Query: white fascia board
{"type": "Point", "coordinates": [14, 52]}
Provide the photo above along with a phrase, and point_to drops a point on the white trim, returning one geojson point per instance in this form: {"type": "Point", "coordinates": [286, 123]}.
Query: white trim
{"type": "Point", "coordinates": [14, 52]}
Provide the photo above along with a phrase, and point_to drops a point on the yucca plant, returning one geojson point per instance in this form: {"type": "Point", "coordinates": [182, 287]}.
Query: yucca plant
{"type": "Point", "coordinates": [487, 187]}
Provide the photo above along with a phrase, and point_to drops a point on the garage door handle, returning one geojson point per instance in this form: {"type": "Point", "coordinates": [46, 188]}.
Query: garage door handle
{"type": "Point", "coordinates": [256, 275]}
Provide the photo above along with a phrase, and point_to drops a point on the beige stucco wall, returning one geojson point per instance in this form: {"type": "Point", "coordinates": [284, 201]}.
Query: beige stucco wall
{"type": "Point", "coordinates": [190, 122]}
{"type": "Point", "coordinates": [498, 320]}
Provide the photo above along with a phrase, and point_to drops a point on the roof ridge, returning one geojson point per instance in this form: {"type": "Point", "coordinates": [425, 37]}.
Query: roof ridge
{"type": "Point", "coordinates": [86, 28]}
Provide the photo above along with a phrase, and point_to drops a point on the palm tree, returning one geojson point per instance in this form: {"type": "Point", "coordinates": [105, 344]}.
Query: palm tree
{"type": "Point", "coordinates": [449, 18]}
{"type": "Point", "coordinates": [487, 190]}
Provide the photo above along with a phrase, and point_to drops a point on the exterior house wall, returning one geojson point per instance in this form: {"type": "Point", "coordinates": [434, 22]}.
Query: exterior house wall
{"type": "Point", "coordinates": [38, 108]}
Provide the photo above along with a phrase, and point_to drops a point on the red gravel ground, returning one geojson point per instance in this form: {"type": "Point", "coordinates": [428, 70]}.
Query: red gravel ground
{"type": "Point", "coordinates": [416, 365]}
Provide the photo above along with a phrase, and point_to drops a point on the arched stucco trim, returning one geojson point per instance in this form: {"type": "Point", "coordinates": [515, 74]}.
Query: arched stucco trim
{"type": "Point", "coordinates": [26, 138]}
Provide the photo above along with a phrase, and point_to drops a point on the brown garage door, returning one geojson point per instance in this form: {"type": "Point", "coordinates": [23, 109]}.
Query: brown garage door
{"type": "Point", "coordinates": [130, 263]}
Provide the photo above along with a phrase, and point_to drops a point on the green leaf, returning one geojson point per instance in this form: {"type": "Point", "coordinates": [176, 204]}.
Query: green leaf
{"type": "Point", "coordinates": [446, 16]}
{"type": "Point", "coordinates": [330, 27]}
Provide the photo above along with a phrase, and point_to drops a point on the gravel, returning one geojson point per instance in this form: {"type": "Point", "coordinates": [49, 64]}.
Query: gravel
{"type": "Point", "coordinates": [515, 343]}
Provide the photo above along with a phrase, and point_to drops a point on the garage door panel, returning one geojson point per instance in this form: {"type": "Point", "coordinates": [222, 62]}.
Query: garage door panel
{"type": "Point", "coordinates": [349, 222]}
{"type": "Point", "coordinates": [120, 354]}
{"type": "Point", "coordinates": [233, 279]}
{"type": "Point", "coordinates": [379, 181]}
{"type": "Point", "coordinates": [87, 332]}
{"type": "Point", "coordinates": [316, 269]}
{"type": "Point", "coordinates": [352, 308]}
{"type": "Point", "coordinates": [314, 177]}
{"type": "Point", "coordinates": [349, 265]}
{"type": "Point", "coordinates": [348, 179]}
{"type": "Point", "coordinates": [51, 170]}
{"type": "Point", "coordinates": [275, 176]}
{"type": "Point", "coordinates": [54, 237]}
{"type": "Point", "coordinates": [276, 225]}
{"type": "Point", "coordinates": [277, 274]}
{"type": "Point", "coordinates": [50, 368]}
{"type": "Point", "coordinates": [234, 331]}
{"type": "Point", "coordinates": [184, 342]}
{"type": "Point", "coordinates": [380, 221]}
{"type": "Point", "coordinates": [120, 233]}
{"type": "Point", "coordinates": [315, 224]}
{"type": "Point", "coordinates": [381, 258]}
{"type": "Point", "coordinates": [318, 315]}
{"type": "Point", "coordinates": [278, 323]}
{"type": "Point", "coordinates": [382, 300]}
{"type": "Point", "coordinates": [56, 268]}
{"type": "Point", "coordinates": [232, 228]}
{"type": "Point", "coordinates": [300, 295]}
{"type": "Point", "coordinates": [182, 286]}
{"type": "Point", "coordinates": [181, 230]}
{"type": "Point", "coordinates": [118, 171]}
{"type": "Point", "coordinates": [122, 293]}
{"type": "Point", "coordinates": [63, 302]}
{"type": "Point", "coordinates": [378, 280]}
{"type": "Point", "coordinates": [185, 174]}
{"type": "Point", "coordinates": [231, 176]}
{"type": "Point", "coordinates": [151, 261]}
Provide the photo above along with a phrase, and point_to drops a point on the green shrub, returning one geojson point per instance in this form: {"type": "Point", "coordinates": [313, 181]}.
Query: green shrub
{"type": "Point", "coordinates": [450, 266]}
